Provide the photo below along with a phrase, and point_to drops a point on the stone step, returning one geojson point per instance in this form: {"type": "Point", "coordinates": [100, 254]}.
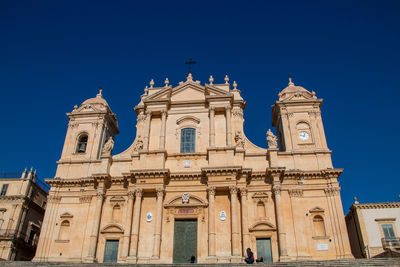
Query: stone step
{"type": "Point", "coordinates": [333, 263]}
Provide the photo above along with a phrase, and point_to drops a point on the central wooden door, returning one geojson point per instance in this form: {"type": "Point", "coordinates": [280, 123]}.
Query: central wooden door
{"type": "Point", "coordinates": [111, 251]}
{"type": "Point", "coordinates": [264, 249]}
{"type": "Point", "coordinates": [185, 240]}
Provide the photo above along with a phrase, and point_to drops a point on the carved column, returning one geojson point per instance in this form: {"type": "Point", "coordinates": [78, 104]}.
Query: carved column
{"type": "Point", "coordinates": [96, 224]}
{"type": "Point", "coordinates": [279, 218]}
{"type": "Point", "coordinates": [235, 221]}
{"type": "Point", "coordinates": [157, 230]}
{"type": "Point", "coordinates": [211, 221]}
{"type": "Point", "coordinates": [135, 224]}
{"type": "Point", "coordinates": [162, 133]}
{"type": "Point", "coordinates": [245, 227]}
{"type": "Point", "coordinates": [228, 126]}
{"type": "Point", "coordinates": [128, 224]}
{"type": "Point", "coordinates": [146, 138]}
{"type": "Point", "coordinates": [212, 126]}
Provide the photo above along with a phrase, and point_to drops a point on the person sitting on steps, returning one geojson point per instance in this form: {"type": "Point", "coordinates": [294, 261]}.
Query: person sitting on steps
{"type": "Point", "coordinates": [250, 256]}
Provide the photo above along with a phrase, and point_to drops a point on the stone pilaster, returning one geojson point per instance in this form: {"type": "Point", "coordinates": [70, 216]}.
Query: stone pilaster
{"type": "Point", "coordinates": [96, 226]}
{"type": "Point", "coordinates": [163, 127]}
{"type": "Point", "coordinates": [228, 126]}
{"type": "Point", "coordinates": [212, 126]}
{"type": "Point", "coordinates": [245, 227]}
{"type": "Point", "coordinates": [280, 221]}
{"type": "Point", "coordinates": [211, 221]}
{"type": "Point", "coordinates": [235, 221]}
{"type": "Point", "coordinates": [128, 223]}
{"type": "Point", "coordinates": [147, 131]}
{"type": "Point", "coordinates": [158, 224]}
{"type": "Point", "coordinates": [135, 226]}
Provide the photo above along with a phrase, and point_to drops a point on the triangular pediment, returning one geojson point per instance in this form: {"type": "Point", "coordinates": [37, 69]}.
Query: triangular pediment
{"type": "Point", "coordinates": [188, 91]}
{"type": "Point", "coordinates": [88, 108]}
{"type": "Point", "coordinates": [66, 215]}
{"type": "Point", "coordinates": [300, 95]}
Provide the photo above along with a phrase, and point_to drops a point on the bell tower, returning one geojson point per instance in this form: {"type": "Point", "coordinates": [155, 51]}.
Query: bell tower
{"type": "Point", "coordinates": [297, 118]}
{"type": "Point", "coordinates": [90, 126]}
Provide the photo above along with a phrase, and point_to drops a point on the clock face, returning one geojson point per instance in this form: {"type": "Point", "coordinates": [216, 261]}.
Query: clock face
{"type": "Point", "coordinates": [304, 135]}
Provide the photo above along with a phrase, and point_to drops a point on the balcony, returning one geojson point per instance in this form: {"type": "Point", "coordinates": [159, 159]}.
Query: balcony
{"type": "Point", "coordinates": [391, 243]}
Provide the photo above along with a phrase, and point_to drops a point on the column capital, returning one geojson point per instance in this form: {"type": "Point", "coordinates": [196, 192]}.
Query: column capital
{"type": "Point", "coordinates": [163, 112]}
{"type": "Point", "coordinates": [233, 189]}
{"type": "Point", "coordinates": [160, 191]}
{"type": "Point", "coordinates": [100, 195]}
{"type": "Point", "coordinates": [211, 190]}
{"type": "Point", "coordinates": [243, 191]}
{"type": "Point", "coordinates": [139, 192]}
{"type": "Point", "coordinates": [131, 194]}
{"type": "Point", "coordinates": [228, 107]}
{"type": "Point", "coordinates": [276, 189]}
{"type": "Point", "coordinates": [212, 108]}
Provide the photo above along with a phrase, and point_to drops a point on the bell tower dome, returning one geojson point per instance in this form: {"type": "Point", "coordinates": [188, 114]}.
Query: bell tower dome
{"type": "Point", "coordinates": [90, 126]}
{"type": "Point", "coordinates": [297, 118]}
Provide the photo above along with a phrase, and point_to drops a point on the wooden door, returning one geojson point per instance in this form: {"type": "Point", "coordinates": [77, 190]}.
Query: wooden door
{"type": "Point", "coordinates": [185, 241]}
{"type": "Point", "coordinates": [264, 249]}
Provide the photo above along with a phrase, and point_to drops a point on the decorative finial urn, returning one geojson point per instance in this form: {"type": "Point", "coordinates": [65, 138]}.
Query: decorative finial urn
{"type": "Point", "coordinates": [166, 82]}
{"type": "Point", "coordinates": [226, 79]}
{"type": "Point", "coordinates": [151, 83]}
{"type": "Point", "coordinates": [189, 77]}
{"type": "Point", "coordinates": [234, 85]}
{"type": "Point", "coordinates": [211, 79]}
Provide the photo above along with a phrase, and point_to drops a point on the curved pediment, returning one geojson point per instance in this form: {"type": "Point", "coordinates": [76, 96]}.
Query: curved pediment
{"type": "Point", "coordinates": [262, 226]}
{"type": "Point", "coordinates": [112, 228]}
{"type": "Point", "coordinates": [194, 201]}
{"type": "Point", "coordinates": [188, 118]}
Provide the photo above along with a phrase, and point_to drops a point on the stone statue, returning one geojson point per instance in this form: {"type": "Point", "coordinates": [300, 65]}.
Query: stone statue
{"type": "Point", "coordinates": [271, 139]}
{"type": "Point", "coordinates": [108, 146]}
{"type": "Point", "coordinates": [138, 144]}
{"type": "Point", "coordinates": [239, 139]}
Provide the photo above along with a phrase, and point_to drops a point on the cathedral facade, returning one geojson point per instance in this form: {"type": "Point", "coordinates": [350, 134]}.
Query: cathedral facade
{"type": "Point", "coordinates": [192, 184]}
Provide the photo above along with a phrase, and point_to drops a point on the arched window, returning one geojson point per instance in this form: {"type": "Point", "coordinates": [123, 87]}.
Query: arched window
{"type": "Point", "coordinates": [188, 140]}
{"type": "Point", "coordinates": [82, 144]}
{"type": "Point", "coordinates": [64, 230]}
{"type": "Point", "coordinates": [319, 227]}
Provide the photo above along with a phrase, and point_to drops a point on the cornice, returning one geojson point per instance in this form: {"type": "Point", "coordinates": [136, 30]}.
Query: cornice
{"type": "Point", "coordinates": [383, 205]}
{"type": "Point", "coordinates": [77, 161]}
{"type": "Point", "coordinates": [219, 171]}
{"type": "Point", "coordinates": [57, 182]}
{"type": "Point", "coordinates": [179, 176]}
{"type": "Point", "coordinates": [154, 173]}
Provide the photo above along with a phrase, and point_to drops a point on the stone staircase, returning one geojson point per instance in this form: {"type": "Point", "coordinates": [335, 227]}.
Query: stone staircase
{"type": "Point", "coordinates": [339, 263]}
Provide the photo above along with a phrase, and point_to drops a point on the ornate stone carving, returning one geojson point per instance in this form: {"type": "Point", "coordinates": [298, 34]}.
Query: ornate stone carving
{"type": "Point", "coordinates": [277, 190]}
{"type": "Point", "coordinates": [237, 113]}
{"type": "Point", "coordinates": [233, 190]}
{"type": "Point", "coordinates": [138, 145]}
{"type": "Point", "coordinates": [85, 199]}
{"type": "Point", "coordinates": [139, 192]}
{"type": "Point", "coordinates": [141, 117]}
{"type": "Point", "coordinates": [100, 195]}
{"type": "Point", "coordinates": [108, 146]}
{"type": "Point", "coordinates": [211, 190]}
{"type": "Point", "coordinates": [160, 192]}
{"type": "Point", "coordinates": [185, 198]}
{"type": "Point", "coordinates": [243, 192]}
{"type": "Point", "coordinates": [131, 194]}
{"type": "Point", "coordinates": [332, 191]}
{"type": "Point", "coordinates": [239, 139]}
{"type": "Point", "coordinates": [295, 193]}
{"type": "Point", "coordinates": [54, 199]}
{"type": "Point", "coordinates": [271, 139]}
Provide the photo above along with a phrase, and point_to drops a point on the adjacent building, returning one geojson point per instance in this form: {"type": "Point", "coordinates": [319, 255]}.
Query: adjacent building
{"type": "Point", "coordinates": [373, 229]}
{"type": "Point", "coordinates": [192, 183]}
{"type": "Point", "coordinates": [23, 200]}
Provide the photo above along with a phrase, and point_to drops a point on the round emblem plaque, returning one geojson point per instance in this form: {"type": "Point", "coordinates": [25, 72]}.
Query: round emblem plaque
{"type": "Point", "coordinates": [149, 216]}
{"type": "Point", "coordinates": [222, 215]}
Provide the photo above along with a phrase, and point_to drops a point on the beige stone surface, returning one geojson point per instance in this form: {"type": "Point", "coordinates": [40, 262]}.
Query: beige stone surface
{"type": "Point", "coordinates": [22, 208]}
{"type": "Point", "coordinates": [273, 192]}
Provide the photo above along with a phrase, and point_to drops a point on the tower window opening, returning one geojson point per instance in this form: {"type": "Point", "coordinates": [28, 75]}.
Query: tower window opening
{"type": "Point", "coordinates": [82, 144]}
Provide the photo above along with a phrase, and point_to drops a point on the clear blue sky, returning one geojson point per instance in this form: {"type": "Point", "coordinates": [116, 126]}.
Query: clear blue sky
{"type": "Point", "coordinates": [54, 54]}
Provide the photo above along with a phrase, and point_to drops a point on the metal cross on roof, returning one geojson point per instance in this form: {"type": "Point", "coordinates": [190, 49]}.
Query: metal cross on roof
{"type": "Point", "coordinates": [190, 63]}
